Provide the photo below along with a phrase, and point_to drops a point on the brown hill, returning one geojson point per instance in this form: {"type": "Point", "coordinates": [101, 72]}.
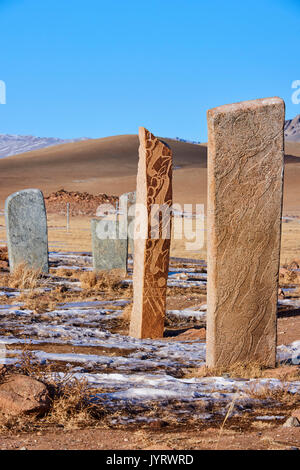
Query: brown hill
{"type": "Point", "coordinates": [109, 166]}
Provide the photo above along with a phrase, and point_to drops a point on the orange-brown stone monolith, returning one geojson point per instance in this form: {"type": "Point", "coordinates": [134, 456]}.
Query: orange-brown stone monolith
{"type": "Point", "coordinates": [245, 180]}
{"type": "Point", "coordinates": [151, 237]}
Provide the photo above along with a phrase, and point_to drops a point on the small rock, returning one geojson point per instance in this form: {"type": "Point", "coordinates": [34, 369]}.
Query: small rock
{"type": "Point", "coordinates": [21, 395]}
{"type": "Point", "coordinates": [292, 422]}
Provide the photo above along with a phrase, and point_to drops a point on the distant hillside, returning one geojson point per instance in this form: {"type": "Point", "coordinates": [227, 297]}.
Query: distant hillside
{"type": "Point", "coordinates": [109, 166]}
{"type": "Point", "coordinates": [292, 129]}
{"type": "Point", "coordinates": [15, 144]}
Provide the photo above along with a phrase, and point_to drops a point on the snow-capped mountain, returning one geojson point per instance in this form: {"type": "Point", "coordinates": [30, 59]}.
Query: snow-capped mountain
{"type": "Point", "coordinates": [292, 129]}
{"type": "Point", "coordinates": [14, 144]}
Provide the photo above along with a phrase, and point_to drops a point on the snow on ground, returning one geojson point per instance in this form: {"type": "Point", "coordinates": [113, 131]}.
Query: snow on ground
{"type": "Point", "coordinates": [129, 371]}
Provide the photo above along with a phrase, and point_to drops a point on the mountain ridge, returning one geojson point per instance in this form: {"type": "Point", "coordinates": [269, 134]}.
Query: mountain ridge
{"type": "Point", "coordinates": [11, 144]}
{"type": "Point", "coordinates": [292, 129]}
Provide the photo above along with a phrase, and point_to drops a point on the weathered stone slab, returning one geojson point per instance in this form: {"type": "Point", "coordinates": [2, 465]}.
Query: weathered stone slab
{"type": "Point", "coordinates": [26, 229]}
{"type": "Point", "coordinates": [151, 245]}
{"type": "Point", "coordinates": [127, 203]}
{"type": "Point", "coordinates": [109, 247]}
{"type": "Point", "coordinates": [245, 179]}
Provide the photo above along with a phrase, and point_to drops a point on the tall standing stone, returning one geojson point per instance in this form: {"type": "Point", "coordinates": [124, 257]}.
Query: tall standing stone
{"type": "Point", "coordinates": [109, 245]}
{"type": "Point", "coordinates": [26, 229]}
{"type": "Point", "coordinates": [151, 240]}
{"type": "Point", "coordinates": [245, 180]}
{"type": "Point", "coordinates": [127, 203]}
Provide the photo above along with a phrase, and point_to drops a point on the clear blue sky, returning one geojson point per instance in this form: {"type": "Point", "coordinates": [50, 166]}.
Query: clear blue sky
{"type": "Point", "coordinates": [96, 68]}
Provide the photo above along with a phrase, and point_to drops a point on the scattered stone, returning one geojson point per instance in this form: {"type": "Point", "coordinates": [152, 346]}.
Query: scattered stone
{"type": "Point", "coordinates": [192, 334]}
{"type": "Point", "coordinates": [292, 422]}
{"type": "Point", "coordinates": [26, 228]}
{"type": "Point", "coordinates": [81, 203]}
{"type": "Point", "coordinates": [151, 237]}
{"type": "Point", "coordinates": [22, 395]}
{"type": "Point", "coordinates": [245, 180]}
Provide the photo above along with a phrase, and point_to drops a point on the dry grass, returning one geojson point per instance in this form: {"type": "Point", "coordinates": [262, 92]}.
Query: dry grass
{"type": "Point", "coordinates": [23, 277]}
{"type": "Point", "coordinates": [238, 370]}
{"type": "Point", "coordinates": [104, 281]}
{"type": "Point", "coordinates": [287, 277]}
{"type": "Point", "coordinates": [279, 394]}
{"type": "Point", "coordinates": [64, 272]}
{"type": "Point", "coordinates": [252, 370]}
{"type": "Point", "coordinates": [3, 253]}
{"type": "Point", "coordinates": [71, 405]}
{"type": "Point", "coordinates": [229, 411]}
{"type": "Point", "coordinates": [126, 314]}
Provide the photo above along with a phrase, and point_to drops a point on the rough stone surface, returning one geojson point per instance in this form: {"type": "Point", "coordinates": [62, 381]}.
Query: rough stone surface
{"type": "Point", "coordinates": [26, 228]}
{"type": "Point", "coordinates": [245, 178]}
{"type": "Point", "coordinates": [127, 203]}
{"type": "Point", "coordinates": [21, 395]}
{"type": "Point", "coordinates": [292, 422]}
{"type": "Point", "coordinates": [151, 255]}
{"type": "Point", "coordinates": [108, 253]}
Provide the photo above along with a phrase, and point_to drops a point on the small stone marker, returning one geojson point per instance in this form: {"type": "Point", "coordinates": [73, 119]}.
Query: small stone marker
{"type": "Point", "coordinates": [245, 180]}
{"type": "Point", "coordinates": [127, 207]}
{"type": "Point", "coordinates": [26, 229]}
{"type": "Point", "coordinates": [109, 249]}
{"type": "Point", "coordinates": [151, 255]}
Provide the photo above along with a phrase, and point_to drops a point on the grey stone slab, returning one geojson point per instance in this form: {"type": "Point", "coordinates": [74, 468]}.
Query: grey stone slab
{"type": "Point", "coordinates": [127, 202]}
{"type": "Point", "coordinates": [26, 228]}
{"type": "Point", "coordinates": [109, 244]}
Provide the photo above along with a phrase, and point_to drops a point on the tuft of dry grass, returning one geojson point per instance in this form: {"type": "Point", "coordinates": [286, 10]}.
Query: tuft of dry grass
{"type": "Point", "coordinates": [64, 272]}
{"type": "Point", "coordinates": [3, 254]}
{"type": "Point", "coordinates": [104, 281]}
{"type": "Point", "coordinates": [71, 401]}
{"type": "Point", "coordinates": [126, 314]}
{"type": "Point", "coordinates": [71, 405]}
{"type": "Point", "coordinates": [229, 411]}
{"type": "Point", "coordinates": [23, 277]}
{"type": "Point", "coordinates": [279, 394]}
{"type": "Point", "coordinates": [238, 370]}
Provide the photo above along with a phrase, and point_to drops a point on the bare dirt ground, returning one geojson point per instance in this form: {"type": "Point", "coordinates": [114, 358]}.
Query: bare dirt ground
{"type": "Point", "coordinates": [264, 438]}
{"type": "Point", "coordinates": [194, 425]}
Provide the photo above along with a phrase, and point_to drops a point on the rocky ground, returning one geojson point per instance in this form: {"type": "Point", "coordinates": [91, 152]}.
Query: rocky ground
{"type": "Point", "coordinates": [81, 203]}
{"type": "Point", "coordinates": [69, 330]}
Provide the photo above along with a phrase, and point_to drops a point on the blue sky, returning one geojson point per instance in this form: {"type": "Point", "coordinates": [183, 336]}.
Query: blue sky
{"type": "Point", "coordinates": [97, 68]}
